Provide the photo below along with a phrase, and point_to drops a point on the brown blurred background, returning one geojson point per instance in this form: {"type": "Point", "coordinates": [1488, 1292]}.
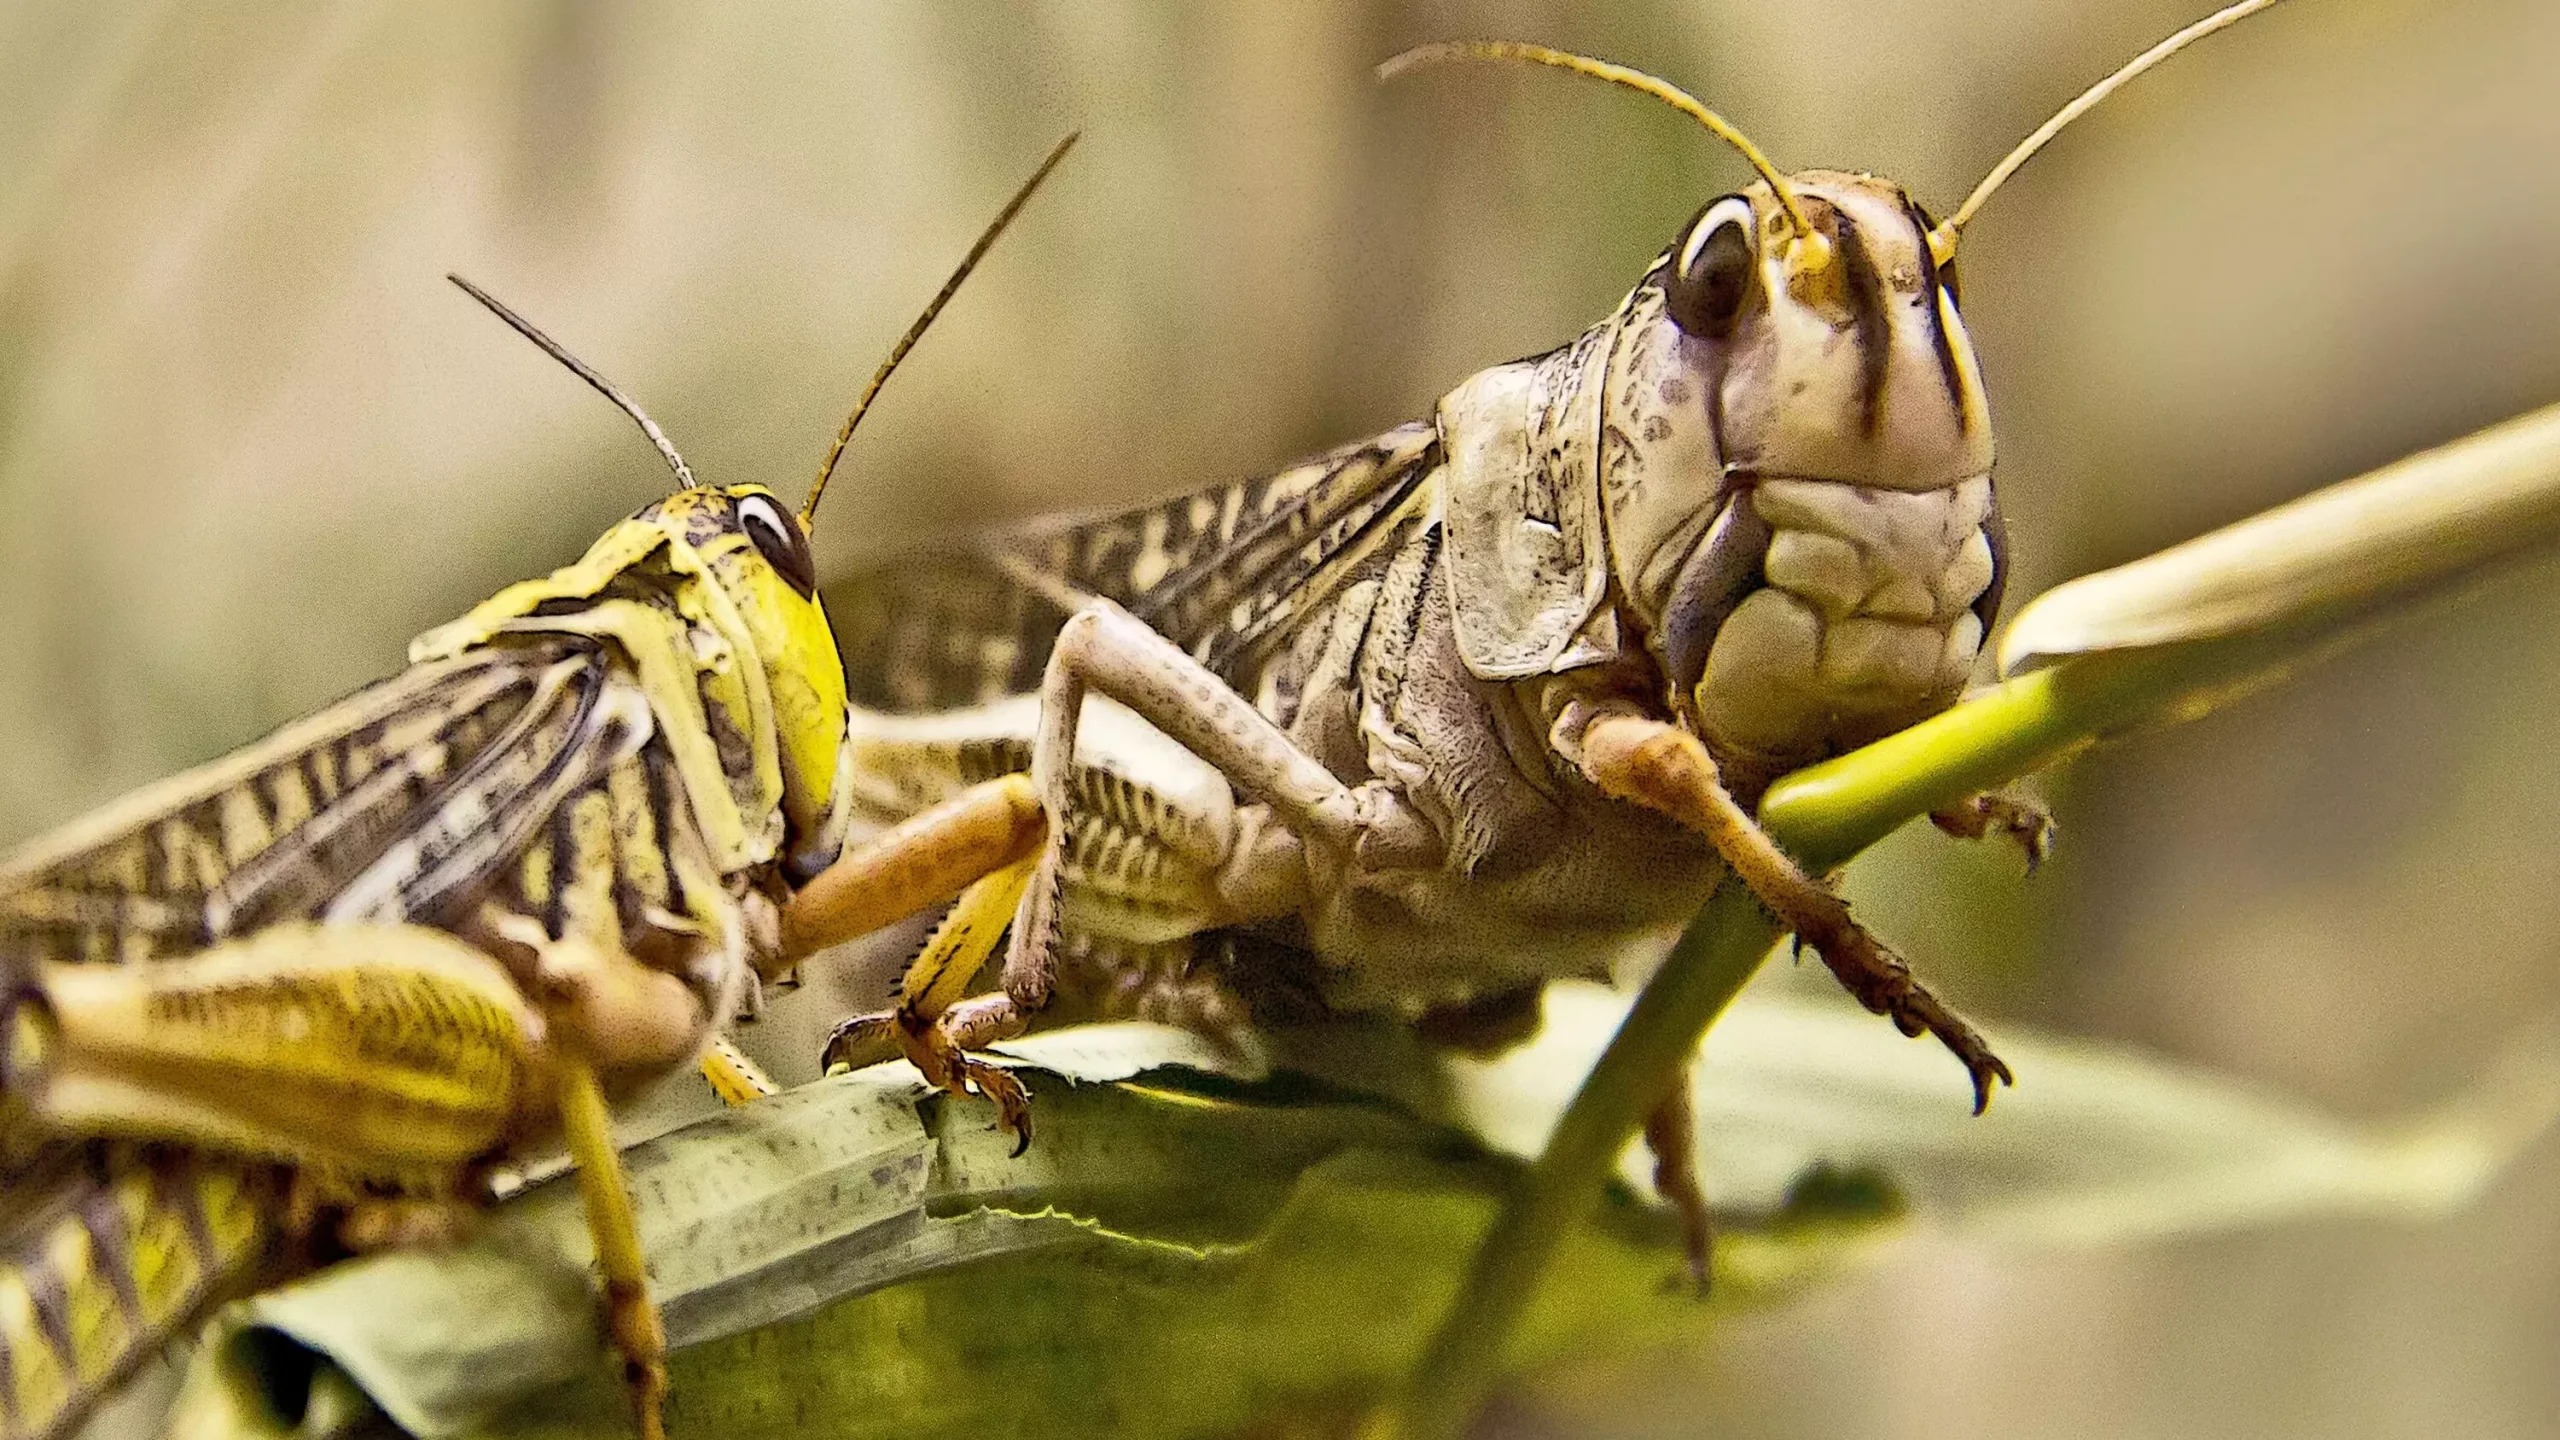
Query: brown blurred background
{"type": "Point", "coordinates": [250, 442]}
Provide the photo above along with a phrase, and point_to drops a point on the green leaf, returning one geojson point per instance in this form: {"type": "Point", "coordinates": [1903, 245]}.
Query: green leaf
{"type": "Point", "coordinates": [1186, 1252]}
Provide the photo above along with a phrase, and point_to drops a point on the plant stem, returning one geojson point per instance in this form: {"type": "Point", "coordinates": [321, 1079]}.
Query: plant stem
{"type": "Point", "coordinates": [2157, 641]}
{"type": "Point", "coordinates": [1824, 814]}
{"type": "Point", "coordinates": [1716, 954]}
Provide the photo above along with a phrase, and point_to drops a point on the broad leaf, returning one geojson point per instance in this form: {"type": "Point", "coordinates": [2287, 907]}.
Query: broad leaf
{"type": "Point", "coordinates": [1184, 1252]}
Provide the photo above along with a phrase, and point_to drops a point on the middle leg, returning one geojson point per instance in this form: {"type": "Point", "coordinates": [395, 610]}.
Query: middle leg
{"type": "Point", "coordinates": [1106, 651]}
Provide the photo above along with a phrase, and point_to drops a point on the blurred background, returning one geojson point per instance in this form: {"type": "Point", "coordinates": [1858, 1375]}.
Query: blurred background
{"type": "Point", "coordinates": [250, 442]}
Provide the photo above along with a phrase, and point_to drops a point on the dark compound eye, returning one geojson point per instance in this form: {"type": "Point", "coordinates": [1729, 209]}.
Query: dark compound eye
{"type": "Point", "coordinates": [779, 540]}
{"type": "Point", "coordinates": [1715, 269]}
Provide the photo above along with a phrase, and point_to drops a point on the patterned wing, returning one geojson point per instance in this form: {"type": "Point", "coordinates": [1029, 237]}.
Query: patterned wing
{"type": "Point", "coordinates": [391, 804]}
{"type": "Point", "coordinates": [1223, 572]}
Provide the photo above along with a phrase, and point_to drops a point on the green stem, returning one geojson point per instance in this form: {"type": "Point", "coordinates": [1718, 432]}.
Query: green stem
{"type": "Point", "coordinates": [1824, 814]}
{"type": "Point", "coordinates": [1716, 954]}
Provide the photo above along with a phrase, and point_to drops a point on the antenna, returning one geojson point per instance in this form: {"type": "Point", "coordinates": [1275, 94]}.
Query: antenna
{"type": "Point", "coordinates": [1811, 251]}
{"type": "Point", "coordinates": [580, 368]}
{"type": "Point", "coordinates": [915, 332]}
{"type": "Point", "coordinates": [1942, 241]}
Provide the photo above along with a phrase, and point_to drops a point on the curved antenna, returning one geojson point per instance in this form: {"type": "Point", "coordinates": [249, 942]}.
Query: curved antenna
{"type": "Point", "coordinates": [1812, 252]}
{"type": "Point", "coordinates": [915, 332]}
{"type": "Point", "coordinates": [1942, 241]}
{"type": "Point", "coordinates": [580, 368]}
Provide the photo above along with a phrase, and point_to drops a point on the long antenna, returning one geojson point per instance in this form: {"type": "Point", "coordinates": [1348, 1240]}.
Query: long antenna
{"type": "Point", "coordinates": [915, 332]}
{"type": "Point", "coordinates": [1942, 241]}
{"type": "Point", "coordinates": [580, 368]}
{"type": "Point", "coordinates": [1815, 252]}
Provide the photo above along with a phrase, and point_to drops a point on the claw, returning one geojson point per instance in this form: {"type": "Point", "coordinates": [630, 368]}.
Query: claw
{"type": "Point", "coordinates": [2021, 822]}
{"type": "Point", "coordinates": [1882, 981]}
{"type": "Point", "coordinates": [1992, 1068]}
{"type": "Point", "coordinates": [941, 1057]}
{"type": "Point", "coordinates": [1004, 1090]}
{"type": "Point", "coordinates": [862, 1040]}
{"type": "Point", "coordinates": [1984, 1068]}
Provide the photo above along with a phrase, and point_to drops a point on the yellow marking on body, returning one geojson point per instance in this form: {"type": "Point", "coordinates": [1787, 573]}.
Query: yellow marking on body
{"type": "Point", "coordinates": [166, 1270]}
{"type": "Point", "coordinates": [639, 857]}
{"type": "Point", "coordinates": [231, 1212]}
{"type": "Point", "coordinates": [203, 858]}
{"type": "Point", "coordinates": [362, 760]}
{"type": "Point", "coordinates": [534, 873]}
{"type": "Point", "coordinates": [38, 1379]}
{"type": "Point", "coordinates": [125, 869]}
{"type": "Point", "coordinates": [1151, 563]}
{"type": "Point", "coordinates": [244, 830]}
{"type": "Point", "coordinates": [293, 799]}
{"type": "Point", "coordinates": [589, 904]}
{"type": "Point", "coordinates": [175, 841]}
{"type": "Point", "coordinates": [1231, 510]}
{"type": "Point", "coordinates": [100, 1331]}
{"type": "Point", "coordinates": [1976, 413]}
{"type": "Point", "coordinates": [324, 773]}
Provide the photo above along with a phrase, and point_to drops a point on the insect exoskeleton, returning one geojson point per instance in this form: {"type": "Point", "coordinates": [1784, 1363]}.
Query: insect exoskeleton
{"type": "Point", "coordinates": [1423, 723]}
{"type": "Point", "coordinates": [333, 976]}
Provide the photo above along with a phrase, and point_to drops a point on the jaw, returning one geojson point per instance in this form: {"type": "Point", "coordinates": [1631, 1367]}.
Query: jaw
{"type": "Point", "coordinates": [1813, 615]}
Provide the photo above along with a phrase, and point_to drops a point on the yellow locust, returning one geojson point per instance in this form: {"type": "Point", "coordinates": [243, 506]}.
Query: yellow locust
{"type": "Point", "coordinates": [309, 992]}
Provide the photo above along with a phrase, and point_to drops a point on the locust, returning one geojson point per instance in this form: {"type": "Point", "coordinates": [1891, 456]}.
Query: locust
{"type": "Point", "coordinates": [1430, 720]}
{"type": "Point", "coordinates": [320, 987]}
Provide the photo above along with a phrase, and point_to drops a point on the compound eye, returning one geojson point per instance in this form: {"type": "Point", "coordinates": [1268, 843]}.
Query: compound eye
{"type": "Point", "coordinates": [1713, 274]}
{"type": "Point", "coordinates": [779, 540]}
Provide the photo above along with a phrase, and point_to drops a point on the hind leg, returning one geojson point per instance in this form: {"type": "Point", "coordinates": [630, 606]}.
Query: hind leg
{"type": "Point", "coordinates": [932, 1025]}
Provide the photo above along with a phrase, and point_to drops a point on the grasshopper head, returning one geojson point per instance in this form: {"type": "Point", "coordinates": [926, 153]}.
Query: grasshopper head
{"type": "Point", "coordinates": [1740, 362]}
{"type": "Point", "coordinates": [758, 553]}
{"type": "Point", "coordinates": [1858, 371]}
{"type": "Point", "coordinates": [1795, 402]}
{"type": "Point", "coordinates": [1800, 338]}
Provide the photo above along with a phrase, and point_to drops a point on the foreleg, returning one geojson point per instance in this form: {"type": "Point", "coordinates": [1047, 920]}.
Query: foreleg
{"type": "Point", "coordinates": [1663, 768]}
